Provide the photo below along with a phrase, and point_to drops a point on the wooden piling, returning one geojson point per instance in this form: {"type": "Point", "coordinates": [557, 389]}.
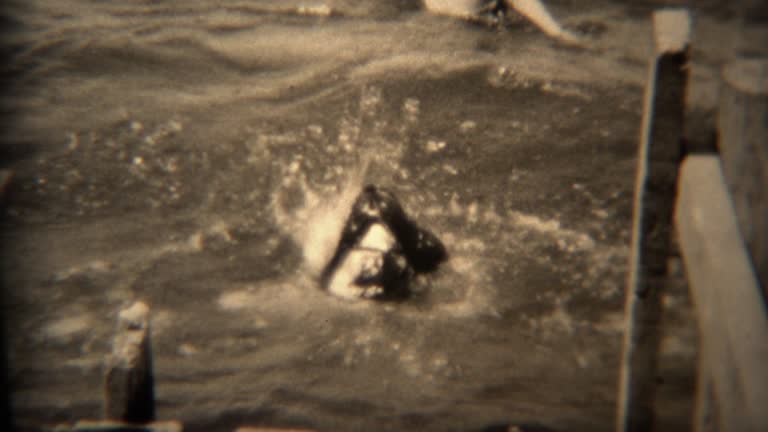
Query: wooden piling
{"type": "Point", "coordinates": [732, 319]}
{"type": "Point", "coordinates": [705, 415]}
{"type": "Point", "coordinates": [5, 403]}
{"type": "Point", "coordinates": [743, 145]}
{"type": "Point", "coordinates": [129, 380]}
{"type": "Point", "coordinates": [659, 153]}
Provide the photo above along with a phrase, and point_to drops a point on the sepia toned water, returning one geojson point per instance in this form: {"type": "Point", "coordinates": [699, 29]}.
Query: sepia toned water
{"type": "Point", "coordinates": [201, 156]}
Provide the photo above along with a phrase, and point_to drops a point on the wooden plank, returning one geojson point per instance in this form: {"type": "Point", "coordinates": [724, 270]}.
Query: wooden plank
{"type": "Point", "coordinates": [129, 381]}
{"type": "Point", "coordinates": [115, 426]}
{"type": "Point", "coordinates": [743, 143]}
{"type": "Point", "coordinates": [5, 403]}
{"type": "Point", "coordinates": [706, 408]}
{"type": "Point", "coordinates": [659, 151]}
{"type": "Point", "coordinates": [732, 316]}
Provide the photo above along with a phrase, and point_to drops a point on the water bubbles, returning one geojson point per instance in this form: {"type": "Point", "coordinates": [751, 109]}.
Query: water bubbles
{"type": "Point", "coordinates": [73, 141]}
{"type": "Point", "coordinates": [318, 10]}
{"type": "Point", "coordinates": [439, 361]}
{"type": "Point", "coordinates": [237, 300]}
{"type": "Point", "coordinates": [434, 146]}
{"type": "Point", "coordinates": [450, 169]}
{"type": "Point", "coordinates": [136, 127]}
{"type": "Point", "coordinates": [467, 126]}
{"type": "Point", "coordinates": [294, 167]}
{"type": "Point", "coordinates": [187, 349]}
{"type": "Point", "coordinates": [472, 213]}
{"type": "Point", "coordinates": [63, 330]}
{"type": "Point", "coordinates": [411, 110]}
{"type": "Point", "coordinates": [370, 100]}
{"type": "Point", "coordinates": [315, 131]}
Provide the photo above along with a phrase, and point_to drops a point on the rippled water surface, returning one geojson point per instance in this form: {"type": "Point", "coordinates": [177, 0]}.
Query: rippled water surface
{"type": "Point", "coordinates": [192, 154]}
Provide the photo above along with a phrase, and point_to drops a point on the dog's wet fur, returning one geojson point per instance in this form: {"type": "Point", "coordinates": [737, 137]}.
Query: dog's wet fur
{"type": "Point", "coordinates": [422, 250]}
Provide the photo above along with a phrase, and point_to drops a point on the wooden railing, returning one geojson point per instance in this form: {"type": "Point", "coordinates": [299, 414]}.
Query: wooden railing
{"type": "Point", "coordinates": [720, 204]}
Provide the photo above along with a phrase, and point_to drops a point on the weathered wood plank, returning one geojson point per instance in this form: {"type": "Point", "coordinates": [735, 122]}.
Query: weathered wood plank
{"type": "Point", "coordinates": [732, 316]}
{"type": "Point", "coordinates": [5, 403]}
{"type": "Point", "coordinates": [129, 380]}
{"type": "Point", "coordinates": [659, 151]}
{"type": "Point", "coordinates": [114, 426]}
{"type": "Point", "coordinates": [705, 419]}
{"type": "Point", "coordinates": [743, 144]}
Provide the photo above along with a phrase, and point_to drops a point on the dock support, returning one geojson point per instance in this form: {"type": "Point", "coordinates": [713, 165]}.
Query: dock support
{"type": "Point", "coordinates": [732, 320]}
{"type": "Point", "coordinates": [115, 426]}
{"type": "Point", "coordinates": [129, 381]}
{"type": "Point", "coordinates": [743, 145]}
{"type": "Point", "coordinates": [6, 422]}
{"type": "Point", "coordinates": [659, 153]}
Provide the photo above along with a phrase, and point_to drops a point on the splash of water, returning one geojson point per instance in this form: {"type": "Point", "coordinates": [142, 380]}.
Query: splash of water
{"type": "Point", "coordinates": [316, 223]}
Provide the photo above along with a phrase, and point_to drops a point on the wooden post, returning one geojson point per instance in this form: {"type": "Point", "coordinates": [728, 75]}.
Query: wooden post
{"type": "Point", "coordinates": [732, 318]}
{"type": "Point", "coordinates": [115, 426]}
{"type": "Point", "coordinates": [129, 381]}
{"type": "Point", "coordinates": [743, 143]}
{"type": "Point", "coordinates": [705, 415]}
{"type": "Point", "coordinates": [5, 403]}
{"type": "Point", "coordinates": [659, 153]}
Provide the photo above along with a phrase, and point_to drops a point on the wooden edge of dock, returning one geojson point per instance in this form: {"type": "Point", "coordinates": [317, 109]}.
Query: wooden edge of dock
{"type": "Point", "coordinates": [118, 426]}
{"type": "Point", "coordinates": [659, 150]}
{"type": "Point", "coordinates": [732, 319]}
{"type": "Point", "coordinates": [742, 123]}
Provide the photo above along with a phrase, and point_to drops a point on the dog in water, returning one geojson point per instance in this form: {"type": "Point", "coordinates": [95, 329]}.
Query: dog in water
{"type": "Point", "coordinates": [380, 250]}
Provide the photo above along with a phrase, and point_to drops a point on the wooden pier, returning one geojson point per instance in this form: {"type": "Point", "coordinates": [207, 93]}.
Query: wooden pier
{"type": "Point", "coordinates": [720, 206]}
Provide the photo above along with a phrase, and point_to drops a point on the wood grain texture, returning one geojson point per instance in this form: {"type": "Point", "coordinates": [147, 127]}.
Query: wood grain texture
{"type": "Point", "coordinates": [731, 314]}
{"type": "Point", "coordinates": [115, 426]}
{"type": "Point", "coordinates": [743, 145]}
{"type": "Point", "coordinates": [659, 152]}
{"type": "Point", "coordinates": [129, 380]}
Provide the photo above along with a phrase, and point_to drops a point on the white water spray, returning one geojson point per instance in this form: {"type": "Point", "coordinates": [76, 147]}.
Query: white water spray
{"type": "Point", "coordinates": [316, 224]}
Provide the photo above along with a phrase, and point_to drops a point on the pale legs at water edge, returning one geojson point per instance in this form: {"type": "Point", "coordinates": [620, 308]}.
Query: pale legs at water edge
{"type": "Point", "coordinates": [533, 10]}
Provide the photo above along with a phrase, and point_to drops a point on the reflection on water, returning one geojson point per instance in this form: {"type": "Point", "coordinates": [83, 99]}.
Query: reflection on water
{"type": "Point", "coordinates": [203, 157]}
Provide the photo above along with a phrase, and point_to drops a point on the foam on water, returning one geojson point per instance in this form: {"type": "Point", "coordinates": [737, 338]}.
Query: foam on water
{"type": "Point", "coordinates": [312, 213]}
{"type": "Point", "coordinates": [316, 223]}
{"type": "Point", "coordinates": [462, 289]}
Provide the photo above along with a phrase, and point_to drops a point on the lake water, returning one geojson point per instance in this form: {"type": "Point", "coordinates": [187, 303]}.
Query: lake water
{"type": "Point", "coordinates": [193, 154]}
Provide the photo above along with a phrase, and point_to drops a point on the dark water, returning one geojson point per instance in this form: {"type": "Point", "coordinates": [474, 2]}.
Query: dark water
{"type": "Point", "coordinates": [196, 155]}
